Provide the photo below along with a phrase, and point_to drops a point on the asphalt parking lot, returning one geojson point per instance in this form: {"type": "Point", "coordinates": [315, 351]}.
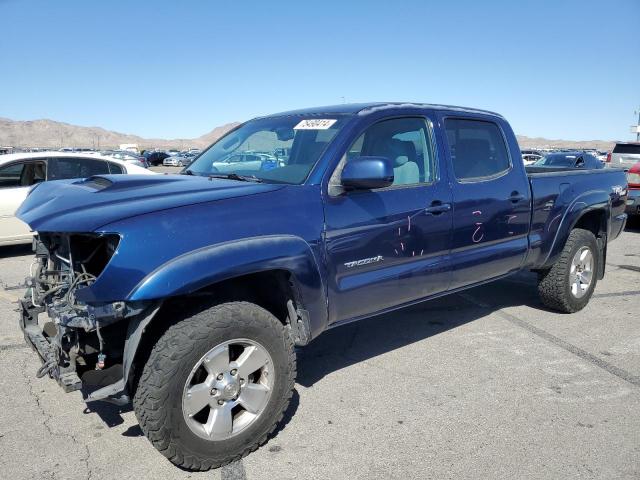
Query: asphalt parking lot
{"type": "Point", "coordinates": [484, 384]}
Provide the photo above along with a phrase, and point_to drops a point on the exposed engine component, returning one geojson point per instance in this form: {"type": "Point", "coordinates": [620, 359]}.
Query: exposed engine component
{"type": "Point", "coordinates": [76, 338]}
{"type": "Point", "coordinates": [66, 262]}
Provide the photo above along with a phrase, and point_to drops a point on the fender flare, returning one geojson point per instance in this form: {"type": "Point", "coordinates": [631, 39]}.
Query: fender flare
{"type": "Point", "coordinates": [583, 204]}
{"type": "Point", "coordinates": [205, 266]}
{"type": "Point", "coordinates": [215, 263]}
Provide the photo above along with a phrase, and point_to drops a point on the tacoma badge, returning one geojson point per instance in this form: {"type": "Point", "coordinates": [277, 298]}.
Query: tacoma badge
{"type": "Point", "coordinates": [364, 261]}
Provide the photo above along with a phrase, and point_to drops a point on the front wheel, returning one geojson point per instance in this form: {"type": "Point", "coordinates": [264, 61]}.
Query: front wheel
{"type": "Point", "coordinates": [569, 284]}
{"type": "Point", "coordinates": [215, 385]}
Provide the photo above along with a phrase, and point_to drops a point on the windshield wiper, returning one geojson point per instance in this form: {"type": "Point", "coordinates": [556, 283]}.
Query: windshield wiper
{"type": "Point", "coordinates": [235, 176]}
{"type": "Point", "coordinates": [186, 172]}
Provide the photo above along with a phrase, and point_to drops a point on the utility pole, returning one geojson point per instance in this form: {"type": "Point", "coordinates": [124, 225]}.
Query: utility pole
{"type": "Point", "coordinates": [638, 126]}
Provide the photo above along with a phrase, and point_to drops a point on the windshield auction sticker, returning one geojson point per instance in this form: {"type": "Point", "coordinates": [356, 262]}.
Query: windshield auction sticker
{"type": "Point", "coordinates": [315, 124]}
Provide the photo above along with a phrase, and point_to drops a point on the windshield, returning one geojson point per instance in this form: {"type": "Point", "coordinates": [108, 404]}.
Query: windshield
{"type": "Point", "coordinates": [556, 161]}
{"type": "Point", "coordinates": [274, 149]}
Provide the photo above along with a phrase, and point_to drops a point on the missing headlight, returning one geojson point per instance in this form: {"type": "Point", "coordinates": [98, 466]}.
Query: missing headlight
{"type": "Point", "coordinates": [65, 262]}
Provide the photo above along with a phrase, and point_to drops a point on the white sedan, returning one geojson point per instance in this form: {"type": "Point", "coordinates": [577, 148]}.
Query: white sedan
{"type": "Point", "coordinates": [19, 171]}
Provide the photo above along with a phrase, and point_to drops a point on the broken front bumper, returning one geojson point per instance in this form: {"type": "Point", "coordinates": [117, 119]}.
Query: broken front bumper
{"type": "Point", "coordinates": [61, 351]}
{"type": "Point", "coordinates": [66, 376]}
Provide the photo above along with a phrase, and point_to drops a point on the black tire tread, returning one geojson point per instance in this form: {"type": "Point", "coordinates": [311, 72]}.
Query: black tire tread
{"type": "Point", "coordinates": [552, 285]}
{"type": "Point", "coordinates": [163, 362]}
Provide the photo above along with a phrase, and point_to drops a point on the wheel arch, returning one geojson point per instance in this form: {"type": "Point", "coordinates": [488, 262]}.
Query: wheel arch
{"type": "Point", "coordinates": [589, 211]}
{"type": "Point", "coordinates": [270, 289]}
{"type": "Point", "coordinates": [268, 271]}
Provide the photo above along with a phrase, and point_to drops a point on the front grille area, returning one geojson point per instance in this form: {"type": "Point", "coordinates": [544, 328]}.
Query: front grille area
{"type": "Point", "coordinates": [66, 262]}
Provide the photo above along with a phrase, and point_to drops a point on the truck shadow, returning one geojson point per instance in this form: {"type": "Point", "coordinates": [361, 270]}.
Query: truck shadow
{"type": "Point", "coordinates": [111, 415]}
{"type": "Point", "coordinates": [360, 341]}
{"type": "Point", "coordinates": [633, 224]}
{"type": "Point", "coordinates": [9, 251]}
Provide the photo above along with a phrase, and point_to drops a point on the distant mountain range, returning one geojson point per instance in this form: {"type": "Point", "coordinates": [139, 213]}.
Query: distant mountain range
{"type": "Point", "coordinates": [52, 134]}
{"type": "Point", "coordinates": [527, 143]}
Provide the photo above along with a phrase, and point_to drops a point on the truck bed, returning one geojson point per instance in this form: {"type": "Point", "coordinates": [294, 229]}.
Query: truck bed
{"type": "Point", "coordinates": [555, 194]}
{"type": "Point", "coordinates": [554, 171]}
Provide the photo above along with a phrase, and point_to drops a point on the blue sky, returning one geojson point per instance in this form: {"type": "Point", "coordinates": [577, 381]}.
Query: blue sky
{"type": "Point", "coordinates": [176, 69]}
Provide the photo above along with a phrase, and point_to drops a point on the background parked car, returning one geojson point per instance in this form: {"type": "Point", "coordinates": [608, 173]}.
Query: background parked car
{"type": "Point", "coordinates": [633, 195]}
{"type": "Point", "coordinates": [530, 156]}
{"type": "Point", "coordinates": [20, 171]}
{"type": "Point", "coordinates": [569, 160]}
{"type": "Point", "coordinates": [179, 160]}
{"type": "Point", "coordinates": [602, 156]}
{"type": "Point", "coordinates": [246, 161]}
{"type": "Point", "coordinates": [624, 154]}
{"type": "Point", "coordinates": [183, 159]}
{"type": "Point", "coordinates": [127, 156]}
{"type": "Point", "coordinates": [156, 157]}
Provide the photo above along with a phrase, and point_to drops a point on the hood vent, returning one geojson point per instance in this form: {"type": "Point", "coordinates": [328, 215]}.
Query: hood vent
{"type": "Point", "coordinates": [97, 183]}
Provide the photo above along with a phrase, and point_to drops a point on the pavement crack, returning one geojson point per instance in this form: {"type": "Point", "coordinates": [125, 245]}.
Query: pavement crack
{"type": "Point", "coordinates": [36, 398]}
{"type": "Point", "coordinates": [48, 418]}
{"type": "Point", "coordinates": [85, 459]}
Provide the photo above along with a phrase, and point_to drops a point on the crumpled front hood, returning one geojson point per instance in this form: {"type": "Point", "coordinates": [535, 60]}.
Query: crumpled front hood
{"type": "Point", "coordinates": [86, 205]}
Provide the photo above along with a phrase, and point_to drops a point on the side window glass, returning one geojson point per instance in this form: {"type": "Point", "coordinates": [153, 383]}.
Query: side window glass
{"type": "Point", "coordinates": [477, 148]}
{"type": "Point", "coordinates": [93, 167]}
{"type": "Point", "coordinates": [23, 174]}
{"type": "Point", "coordinates": [356, 148]}
{"type": "Point", "coordinates": [114, 168]}
{"type": "Point", "coordinates": [37, 173]}
{"type": "Point", "coordinates": [10, 175]}
{"type": "Point", "coordinates": [64, 168]}
{"type": "Point", "coordinates": [406, 142]}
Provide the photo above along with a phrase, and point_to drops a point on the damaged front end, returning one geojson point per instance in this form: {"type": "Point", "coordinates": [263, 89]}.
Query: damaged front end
{"type": "Point", "coordinates": [80, 344]}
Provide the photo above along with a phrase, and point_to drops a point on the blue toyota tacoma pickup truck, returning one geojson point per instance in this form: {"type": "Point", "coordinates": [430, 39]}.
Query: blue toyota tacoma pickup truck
{"type": "Point", "coordinates": [187, 294]}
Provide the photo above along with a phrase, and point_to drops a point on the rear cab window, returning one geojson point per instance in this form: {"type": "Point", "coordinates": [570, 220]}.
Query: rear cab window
{"type": "Point", "coordinates": [478, 149]}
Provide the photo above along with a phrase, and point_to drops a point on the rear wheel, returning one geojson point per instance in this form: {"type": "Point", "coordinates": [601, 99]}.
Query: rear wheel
{"type": "Point", "coordinates": [569, 284]}
{"type": "Point", "coordinates": [215, 385]}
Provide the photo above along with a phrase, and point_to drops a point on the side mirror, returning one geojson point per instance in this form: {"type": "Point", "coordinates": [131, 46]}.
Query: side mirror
{"type": "Point", "coordinates": [367, 173]}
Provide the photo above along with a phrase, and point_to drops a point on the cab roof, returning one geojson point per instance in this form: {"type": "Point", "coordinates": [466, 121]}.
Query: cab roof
{"type": "Point", "coordinates": [371, 107]}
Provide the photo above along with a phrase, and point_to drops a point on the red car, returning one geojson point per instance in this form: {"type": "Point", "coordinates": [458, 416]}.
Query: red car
{"type": "Point", "coordinates": [633, 199]}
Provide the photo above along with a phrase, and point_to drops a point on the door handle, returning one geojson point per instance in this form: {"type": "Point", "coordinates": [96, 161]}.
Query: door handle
{"type": "Point", "coordinates": [437, 208]}
{"type": "Point", "coordinates": [516, 197]}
